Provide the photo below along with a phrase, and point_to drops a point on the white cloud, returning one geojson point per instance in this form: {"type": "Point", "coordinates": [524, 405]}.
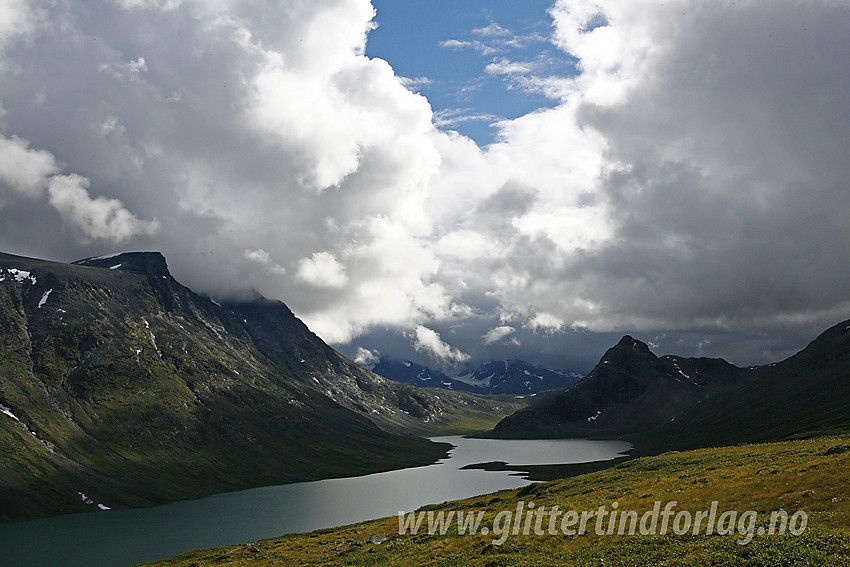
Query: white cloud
{"type": "Point", "coordinates": [455, 44]}
{"type": "Point", "coordinates": [452, 117]}
{"type": "Point", "coordinates": [24, 169]}
{"type": "Point", "coordinates": [505, 66]}
{"type": "Point", "coordinates": [16, 19]}
{"type": "Point", "coordinates": [479, 46]}
{"type": "Point", "coordinates": [262, 257]}
{"type": "Point", "coordinates": [33, 173]}
{"type": "Point", "coordinates": [337, 108]}
{"type": "Point", "coordinates": [492, 30]}
{"type": "Point", "coordinates": [545, 322]}
{"type": "Point", "coordinates": [496, 334]}
{"type": "Point", "coordinates": [130, 71]}
{"type": "Point", "coordinates": [322, 269]}
{"type": "Point", "coordinates": [429, 341]}
{"type": "Point", "coordinates": [415, 82]}
{"type": "Point", "coordinates": [494, 39]}
{"type": "Point", "coordinates": [366, 357]}
{"type": "Point", "coordinates": [692, 176]}
{"type": "Point", "coordinates": [96, 219]}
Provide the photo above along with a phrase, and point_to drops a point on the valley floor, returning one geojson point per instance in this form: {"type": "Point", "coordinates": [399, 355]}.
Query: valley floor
{"type": "Point", "coordinates": [791, 476]}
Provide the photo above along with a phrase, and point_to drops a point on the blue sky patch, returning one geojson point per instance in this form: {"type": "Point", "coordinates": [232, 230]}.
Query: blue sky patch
{"type": "Point", "coordinates": [471, 59]}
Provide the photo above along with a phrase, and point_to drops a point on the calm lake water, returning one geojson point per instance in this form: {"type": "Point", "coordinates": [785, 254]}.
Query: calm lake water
{"type": "Point", "coordinates": [119, 538]}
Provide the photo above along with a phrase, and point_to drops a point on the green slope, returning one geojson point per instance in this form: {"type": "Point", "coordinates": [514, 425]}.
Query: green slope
{"type": "Point", "coordinates": [794, 476]}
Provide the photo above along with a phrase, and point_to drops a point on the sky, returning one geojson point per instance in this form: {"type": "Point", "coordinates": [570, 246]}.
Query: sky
{"type": "Point", "coordinates": [456, 54]}
{"type": "Point", "coordinates": [450, 181]}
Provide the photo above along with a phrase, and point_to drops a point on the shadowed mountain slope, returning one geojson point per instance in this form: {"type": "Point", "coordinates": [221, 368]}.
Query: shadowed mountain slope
{"type": "Point", "coordinates": [120, 387]}
{"type": "Point", "coordinates": [629, 391]}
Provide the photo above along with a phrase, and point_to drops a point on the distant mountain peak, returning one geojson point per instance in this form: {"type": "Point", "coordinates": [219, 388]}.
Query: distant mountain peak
{"type": "Point", "coordinates": [627, 352]}
{"type": "Point", "coordinates": [494, 377]}
{"type": "Point", "coordinates": [146, 263]}
{"type": "Point", "coordinates": [631, 343]}
{"type": "Point", "coordinates": [630, 390]}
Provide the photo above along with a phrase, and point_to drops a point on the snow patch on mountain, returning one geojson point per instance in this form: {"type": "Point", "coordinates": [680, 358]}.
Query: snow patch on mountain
{"type": "Point", "coordinates": [44, 297]}
{"type": "Point", "coordinates": [8, 411]}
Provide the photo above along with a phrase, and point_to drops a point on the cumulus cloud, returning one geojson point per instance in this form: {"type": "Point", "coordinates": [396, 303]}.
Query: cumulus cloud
{"type": "Point", "coordinates": [689, 179]}
{"type": "Point", "coordinates": [24, 169]}
{"type": "Point", "coordinates": [714, 173]}
{"type": "Point", "coordinates": [545, 322]}
{"type": "Point", "coordinates": [496, 334]}
{"type": "Point", "coordinates": [429, 341]}
{"type": "Point", "coordinates": [366, 357]}
{"type": "Point", "coordinates": [337, 107]}
{"type": "Point", "coordinates": [693, 201]}
{"type": "Point", "coordinates": [96, 219]}
{"type": "Point", "coordinates": [322, 270]}
{"type": "Point", "coordinates": [33, 173]}
{"type": "Point", "coordinates": [263, 258]}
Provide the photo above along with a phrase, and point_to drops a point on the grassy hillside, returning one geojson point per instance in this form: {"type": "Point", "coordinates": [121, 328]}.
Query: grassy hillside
{"type": "Point", "coordinates": [793, 476]}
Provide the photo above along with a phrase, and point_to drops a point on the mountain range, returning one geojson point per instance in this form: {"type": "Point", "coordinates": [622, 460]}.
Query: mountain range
{"type": "Point", "coordinates": [120, 387]}
{"type": "Point", "coordinates": [671, 402]}
{"type": "Point", "coordinates": [495, 377]}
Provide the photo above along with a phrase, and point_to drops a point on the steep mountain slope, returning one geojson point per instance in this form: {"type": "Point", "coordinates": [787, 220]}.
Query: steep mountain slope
{"type": "Point", "coordinates": [121, 387]}
{"type": "Point", "coordinates": [806, 394]}
{"type": "Point", "coordinates": [296, 352]}
{"type": "Point", "coordinates": [629, 391]}
{"type": "Point", "coordinates": [302, 357]}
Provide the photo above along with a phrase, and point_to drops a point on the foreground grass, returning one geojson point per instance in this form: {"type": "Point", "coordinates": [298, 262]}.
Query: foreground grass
{"type": "Point", "coordinates": [793, 475]}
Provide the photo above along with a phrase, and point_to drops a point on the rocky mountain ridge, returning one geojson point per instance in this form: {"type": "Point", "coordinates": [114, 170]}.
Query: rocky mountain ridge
{"type": "Point", "coordinates": [630, 390]}
{"type": "Point", "coordinates": [501, 377]}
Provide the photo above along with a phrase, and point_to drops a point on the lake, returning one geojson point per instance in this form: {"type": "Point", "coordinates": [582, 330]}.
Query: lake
{"type": "Point", "coordinates": [119, 538]}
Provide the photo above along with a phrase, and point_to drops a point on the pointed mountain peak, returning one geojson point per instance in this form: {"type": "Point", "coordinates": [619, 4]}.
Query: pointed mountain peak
{"type": "Point", "coordinates": [147, 263]}
{"type": "Point", "coordinates": [630, 343]}
{"type": "Point", "coordinates": [626, 353]}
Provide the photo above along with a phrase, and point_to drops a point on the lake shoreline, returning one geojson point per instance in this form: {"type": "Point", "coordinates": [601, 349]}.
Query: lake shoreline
{"type": "Point", "coordinates": [120, 538]}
